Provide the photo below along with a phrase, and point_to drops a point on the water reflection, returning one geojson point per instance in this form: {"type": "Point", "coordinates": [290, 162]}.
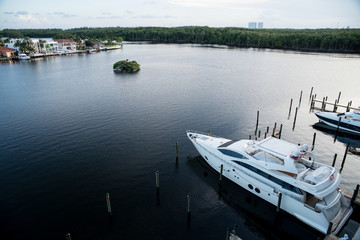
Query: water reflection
{"type": "Point", "coordinates": [256, 215]}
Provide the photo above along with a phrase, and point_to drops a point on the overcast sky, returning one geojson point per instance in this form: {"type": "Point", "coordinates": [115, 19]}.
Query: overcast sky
{"type": "Point", "coordinates": [170, 13]}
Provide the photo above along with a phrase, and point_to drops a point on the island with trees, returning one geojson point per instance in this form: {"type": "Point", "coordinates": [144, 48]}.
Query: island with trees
{"type": "Point", "coordinates": [126, 66]}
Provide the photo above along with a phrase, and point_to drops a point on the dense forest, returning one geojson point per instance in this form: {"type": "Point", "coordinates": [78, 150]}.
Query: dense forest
{"type": "Point", "coordinates": [324, 40]}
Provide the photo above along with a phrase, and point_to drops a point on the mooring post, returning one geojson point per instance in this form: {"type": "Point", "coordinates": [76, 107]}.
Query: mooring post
{"type": "Point", "coordinates": [280, 131]}
{"type": "Point", "coordinates": [348, 107]}
{"type": "Point", "coordinates": [312, 104]}
{"type": "Point", "coordinates": [300, 98]}
{"type": "Point", "coordinates": [311, 92]}
{"type": "Point", "coordinates": [265, 135]}
{"type": "Point", "coordinates": [273, 134]}
{"type": "Point", "coordinates": [329, 228]}
{"type": "Point", "coordinates": [323, 104]}
{"type": "Point", "coordinates": [339, 97]}
{"type": "Point", "coordinates": [295, 118]}
{"type": "Point", "coordinates": [177, 152]}
{"type": "Point", "coordinates": [257, 122]}
{"type": "Point", "coordinates": [290, 108]}
{"type": "Point", "coordinates": [313, 143]}
{"type": "Point", "coordinates": [337, 129]}
{"type": "Point", "coordinates": [188, 203]}
{"type": "Point", "coordinates": [157, 181]}
{"type": "Point", "coordinates": [221, 173]}
{"type": "Point", "coordinates": [334, 161]}
{"type": "Point", "coordinates": [108, 204]}
{"type": "Point", "coordinates": [335, 107]}
{"type": "Point", "coordinates": [259, 134]}
{"type": "Point", "coordinates": [326, 98]}
{"type": "Point", "coordinates": [343, 162]}
{"type": "Point", "coordinates": [267, 129]}
{"type": "Point", "coordinates": [68, 236]}
{"type": "Point", "coordinates": [356, 191]}
{"type": "Point", "coordinates": [249, 137]}
{"type": "Point", "coordinates": [279, 202]}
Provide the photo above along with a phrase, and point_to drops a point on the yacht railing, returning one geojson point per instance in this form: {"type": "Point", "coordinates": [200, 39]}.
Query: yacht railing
{"type": "Point", "coordinates": [207, 134]}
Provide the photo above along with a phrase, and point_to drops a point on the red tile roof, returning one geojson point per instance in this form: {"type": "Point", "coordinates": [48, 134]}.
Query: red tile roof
{"type": "Point", "coordinates": [5, 49]}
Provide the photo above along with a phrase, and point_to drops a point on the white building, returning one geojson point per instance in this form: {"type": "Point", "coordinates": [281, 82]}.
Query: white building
{"type": "Point", "coordinates": [260, 25]}
{"type": "Point", "coordinates": [252, 25]}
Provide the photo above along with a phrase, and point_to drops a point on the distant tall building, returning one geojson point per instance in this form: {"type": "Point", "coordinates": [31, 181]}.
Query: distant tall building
{"type": "Point", "coordinates": [252, 25]}
{"type": "Point", "coordinates": [260, 25]}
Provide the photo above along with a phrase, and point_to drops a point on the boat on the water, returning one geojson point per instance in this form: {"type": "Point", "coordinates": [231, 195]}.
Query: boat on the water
{"type": "Point", "coordinates": [347, 122]}
{"type": "Point", "coordinates": [23, 56]}
{"type": "Point", "coordinates": [282, 173]}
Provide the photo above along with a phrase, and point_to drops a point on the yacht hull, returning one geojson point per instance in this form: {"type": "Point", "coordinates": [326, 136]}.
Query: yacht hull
{"type": "Point", "coordinates": [332, 119]}
{"type": "Point", "coordinates": [261, 189]}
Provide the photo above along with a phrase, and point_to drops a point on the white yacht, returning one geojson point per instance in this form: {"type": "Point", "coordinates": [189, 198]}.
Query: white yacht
{"type": "Point", "coordinates": [281, 173]}
{"type": "Point", "coordinates": [23, 56]}
{"type": "Point", "coordinates": [349, 121]}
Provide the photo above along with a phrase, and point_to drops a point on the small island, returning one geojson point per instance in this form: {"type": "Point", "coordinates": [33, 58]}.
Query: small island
{"type": "Point", "coordinates": [126, 66]}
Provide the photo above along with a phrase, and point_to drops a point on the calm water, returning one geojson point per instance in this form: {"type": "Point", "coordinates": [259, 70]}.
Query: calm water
{"type": "Point", "coordinates": [71, 130]}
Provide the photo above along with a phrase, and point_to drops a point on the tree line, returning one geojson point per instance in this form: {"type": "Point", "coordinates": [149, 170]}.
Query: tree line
{"type": "Point", "coordinates": [324, 40]}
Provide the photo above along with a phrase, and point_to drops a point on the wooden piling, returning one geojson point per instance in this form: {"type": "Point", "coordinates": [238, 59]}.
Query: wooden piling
{"type": "Point", "coordinates": [157, 182]}
{"type": "Point", "coordinates": [313, 143]}
{"type": "Point", "coordinates": [259, 134]}
{"type": "Point", "coordinates": [339, 97]}
{"type": "Point", "coordinates": [279, 202]}
{"type": "Point", "coordinates": [108, 204]}
{"type": "Point", "coordinates": [290, 108]}
{"type": "Point", "coordinates": [68, 236]}
{"type": "Point", "coordinates": [188, 204]}
{"type": "Point", "coordinates": [312, 103]}
{"type": "Point", "coordinates": [326, 98]}
{"type": "Point", "coordinates": [177, 152]}
{"type": "Point", "coordinates": [295, 118]}
{"type": "Point", "coordinates": [348, 107]}
{"type": "Point", "coordinates": [337, 129]}
{"type": "Point", "coordinates": [356, 192]}
{"type": "Point", "coordinates": [265, 135]}
{"type": "Point", "coordinates": [323, 104]}
{"type": "Point", "coordinates": [280, 131]}
{"type": "Point", "coordinates": [273, 133]}
{"type": "Point", "coordinates": [249, 137]}
{"type": "Point", "coordinates": [221, 173]}
{"type": "Point", "coordinates": [257, 122]}
{"type": "Point", "coordinates": [300, 97]}
{"type": "Point", "coordinates": [335, 107]}
{"type": "Point", "coordinates": [267, 129]}
{"type": "Point", "coordinates": [312, 88]}
{"type": "Point", "coordinates": [343, 162]}
{"type": "Point", "coordinates": [334, 161]}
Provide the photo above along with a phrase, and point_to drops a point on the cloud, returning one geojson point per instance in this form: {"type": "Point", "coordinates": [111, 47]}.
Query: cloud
{"type": "Point", "coordinates": [215, 3]}
{"type": "Point", "coordinates": [64, 15]}
{"type": "Point", "coordinates": [153, 17]}
{"type": "Point", "coordinates": [106, 13]}
{"type": "Point", "coordinates": [9, 13]}
{"type": "Point", "coordinates": [31, 19]}
{"type": "Point", "coordinates": [22, 13]}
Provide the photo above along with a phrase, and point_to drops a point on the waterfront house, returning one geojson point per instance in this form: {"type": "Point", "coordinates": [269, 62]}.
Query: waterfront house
{"type": "Point", "coordinates": [66, 44]}
{"type": "Point", "coordinates": [12, 42]}
{"type": "Point", "coordinates": [6, 52]}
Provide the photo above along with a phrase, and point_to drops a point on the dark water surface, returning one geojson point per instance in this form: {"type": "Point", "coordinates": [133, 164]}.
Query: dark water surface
{"type": "Point", "coordinates": [71, 130]}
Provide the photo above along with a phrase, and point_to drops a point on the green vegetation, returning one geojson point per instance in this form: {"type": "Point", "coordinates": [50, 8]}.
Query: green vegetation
{"type": "Point", "coordinates": [26, 46]}
{"type": "Point", "coordinates": [324, 40]}
{"type": "Point", "coordinates": [126, 66]}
